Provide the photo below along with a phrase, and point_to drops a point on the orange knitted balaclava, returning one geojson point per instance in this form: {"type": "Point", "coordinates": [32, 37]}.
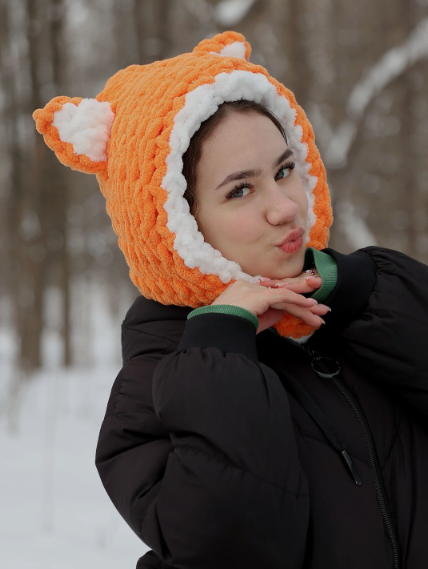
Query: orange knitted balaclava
{"type": "Point", "coordinates": [133, 135]}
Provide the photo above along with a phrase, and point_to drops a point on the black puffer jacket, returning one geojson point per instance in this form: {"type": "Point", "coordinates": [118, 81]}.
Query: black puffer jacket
{"type": "Point", "coordinates": [223, 449]}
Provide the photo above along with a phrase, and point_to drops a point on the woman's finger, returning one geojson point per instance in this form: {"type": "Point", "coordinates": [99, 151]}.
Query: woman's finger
{"type": "Point", "coordinates": [284, 295]}
{"type": "Point", "coordinates": [318, 309]}
{"type": "Point", "coordinates": [299, 286]}
{"type": "Point", "coordinates": [313, 279]}
{"type": "Point", "coordinates": [304, 314]}
{"type": "Point", "coordinates": [302, 288]}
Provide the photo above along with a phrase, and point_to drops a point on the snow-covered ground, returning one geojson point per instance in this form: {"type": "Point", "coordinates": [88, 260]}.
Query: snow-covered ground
{"type": "Point", "coordinates": [55, 513]}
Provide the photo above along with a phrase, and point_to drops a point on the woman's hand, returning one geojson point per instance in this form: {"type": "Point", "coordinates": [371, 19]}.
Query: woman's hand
{"type": "Point", "coordinates": [269, 304]}
{"type": "Point", "coordinates": [308, 281]}
{"type": "Point", "coordinates": [305, 282]}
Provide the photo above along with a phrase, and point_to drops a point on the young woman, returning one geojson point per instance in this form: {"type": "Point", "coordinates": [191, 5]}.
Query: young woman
{"type": "Point", "coordinates": [278, 423]}
{"type": "Point", "coordinates": [238, 150]}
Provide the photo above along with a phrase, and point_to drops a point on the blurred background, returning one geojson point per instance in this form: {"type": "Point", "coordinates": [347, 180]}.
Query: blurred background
{"type": "Point", "coordinates": [359, 69]}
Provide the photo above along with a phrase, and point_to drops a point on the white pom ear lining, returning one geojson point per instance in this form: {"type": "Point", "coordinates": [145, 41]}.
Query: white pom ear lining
{"type": "Point", "coordinates": [86, 126]}
{"type": "Point", "coordinates": [235, 49]}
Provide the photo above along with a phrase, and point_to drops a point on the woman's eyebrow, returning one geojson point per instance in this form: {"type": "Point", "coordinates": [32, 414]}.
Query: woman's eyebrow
{"type": "Point", "coordinates": [252, 173]}
{"type": "Point", "coordinates": [284, 156]}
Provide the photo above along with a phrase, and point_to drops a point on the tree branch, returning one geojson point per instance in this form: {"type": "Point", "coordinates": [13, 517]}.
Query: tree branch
{"type": "Point", "coordinates": [390, 65]}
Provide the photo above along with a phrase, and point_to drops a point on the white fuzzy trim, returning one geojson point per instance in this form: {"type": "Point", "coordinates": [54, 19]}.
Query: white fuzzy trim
{"type": "Point", "coordinates": [86, 126]}
{"type": "Point", "coordinates": [235, 49]}
{"type": "Point", "coordinates": [200, 104]}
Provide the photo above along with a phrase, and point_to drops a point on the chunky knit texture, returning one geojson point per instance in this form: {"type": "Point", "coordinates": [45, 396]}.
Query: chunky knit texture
{"type": "Point", "coordinates": [156, 110]}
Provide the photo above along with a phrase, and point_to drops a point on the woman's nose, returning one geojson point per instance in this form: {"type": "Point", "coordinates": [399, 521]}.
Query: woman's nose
{"type": "Point", "coordinates": [280, 209]}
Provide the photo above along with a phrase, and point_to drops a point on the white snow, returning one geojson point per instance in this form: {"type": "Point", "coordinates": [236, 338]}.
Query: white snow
{"type": "Point", "coordinates": [55, 513]}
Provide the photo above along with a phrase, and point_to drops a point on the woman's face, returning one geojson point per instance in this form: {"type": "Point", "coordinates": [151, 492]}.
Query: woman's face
{"type": "Point", "coordinates": [249, 197]}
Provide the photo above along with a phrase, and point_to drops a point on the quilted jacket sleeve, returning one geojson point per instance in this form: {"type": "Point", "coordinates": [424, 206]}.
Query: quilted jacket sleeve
{"type": "Point", "coordinates": [380, 304]}
{"type": "Point", "coordinates": [197, 452]}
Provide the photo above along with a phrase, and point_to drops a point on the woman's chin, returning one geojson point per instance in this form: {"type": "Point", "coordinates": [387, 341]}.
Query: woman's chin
{"type": "Point", "coordinates": [288, 273]}
{"type": "Point", "coordinates": [277, 269]}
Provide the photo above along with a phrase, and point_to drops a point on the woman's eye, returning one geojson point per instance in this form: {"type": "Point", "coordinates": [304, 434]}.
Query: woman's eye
{"type": "Point", "coordinates": [285, 171]}
{"type": "Point", "coordinates": [237, 192]}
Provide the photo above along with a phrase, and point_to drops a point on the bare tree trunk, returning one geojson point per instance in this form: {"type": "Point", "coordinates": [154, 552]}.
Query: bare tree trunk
{"type": "Point", "coordinates": [294, 42]}
{"type": "Point", "coordinates": [151, 20]}
{"type": "Point", "coordinates": [58, 185]}
{"type": "Point", "coordinates": [12, 199]}
{"type": "Point", "coordinates": [24, 228]}
{"type": "Point", "coordinates": [409, 199]}
{"type": "Point", "coordinates": [32, 253]}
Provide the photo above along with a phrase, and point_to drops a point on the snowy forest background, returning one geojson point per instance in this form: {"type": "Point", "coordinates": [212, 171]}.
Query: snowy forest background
{"type": "Point", "coordinates": [359, 69]}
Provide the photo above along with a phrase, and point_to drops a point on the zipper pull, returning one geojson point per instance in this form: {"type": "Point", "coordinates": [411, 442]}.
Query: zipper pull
{"type": "Point", "coordinates": [351, 467]}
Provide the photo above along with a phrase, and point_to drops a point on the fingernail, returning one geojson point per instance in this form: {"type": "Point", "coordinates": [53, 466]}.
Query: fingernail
{"type": "Point", "coordinates": [325, 306]}
{"type": "Point", "coordinates": [278, 285]}
{"type": "Point", "coordinates": [322, 321]}
{"type": "Point", "coordinates": [264, 279]}
{"type": "Point", "coordinates": [313, 301]}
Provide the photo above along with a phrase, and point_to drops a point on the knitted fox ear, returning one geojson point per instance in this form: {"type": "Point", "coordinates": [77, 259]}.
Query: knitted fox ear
{"type": "Point", "coordinates": [227, 44]}
{"type": "Point", "coordinates": [77, 130]}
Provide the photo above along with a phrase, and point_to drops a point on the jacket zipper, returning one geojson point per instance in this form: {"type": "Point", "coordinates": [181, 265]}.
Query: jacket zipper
{"type": "Point", "coordinates": [375, 467]}
{"type": "Point", "coordinates": [372, 452]}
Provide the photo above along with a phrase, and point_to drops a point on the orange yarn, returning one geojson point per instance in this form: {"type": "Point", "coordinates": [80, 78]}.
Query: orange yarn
{"type": "Point", "coordinates": [145, 101]}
